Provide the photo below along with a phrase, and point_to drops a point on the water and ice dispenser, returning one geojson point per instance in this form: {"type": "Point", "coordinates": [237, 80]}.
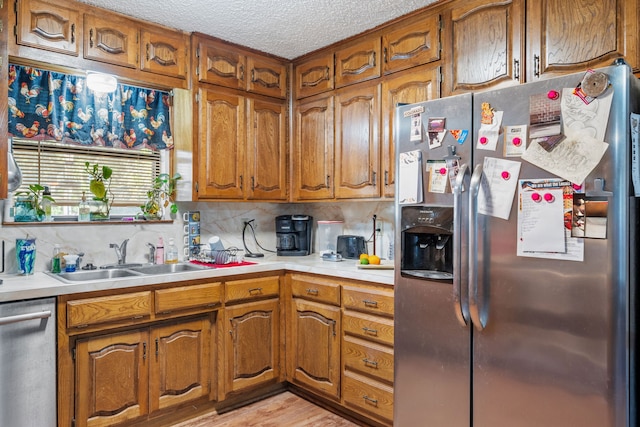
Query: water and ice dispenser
{"type": "Point", "coordinates": [427, 242]}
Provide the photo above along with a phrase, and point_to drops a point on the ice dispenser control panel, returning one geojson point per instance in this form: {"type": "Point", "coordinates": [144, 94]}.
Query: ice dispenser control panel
{"type": "Point", "coordinates": [427, 242]}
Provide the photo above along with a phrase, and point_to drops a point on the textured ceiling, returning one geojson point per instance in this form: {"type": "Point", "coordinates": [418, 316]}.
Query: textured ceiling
{"type": "Point", "coordinates": [287, 28]}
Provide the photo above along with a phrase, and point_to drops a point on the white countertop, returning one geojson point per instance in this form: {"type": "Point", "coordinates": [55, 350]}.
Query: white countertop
{"type": "Point", "coordinates": [40, 285]}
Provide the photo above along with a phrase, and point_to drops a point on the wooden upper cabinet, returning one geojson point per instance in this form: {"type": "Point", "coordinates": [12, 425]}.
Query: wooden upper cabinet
{"type": "Point", "coordinates": [565, 37]}
{"type": "Point", "coordinates": [484, 45]}
{"type": "Point", "coordinates": [267, 77]}
{"type": "Point", "coordinates": [164, 52]}
{"type": "Point", "coordinates": [314, 76]}
{"type": "Point", "coordinates": [48, 26]}
{"type": "Point", "coordinates": [267, 150]}
{"type": "Point", "coordinates": [412, 42]}
{"type": "Point", "coordinates": [112, 39]}
{"type": "Point", "coordinates": [408, 87]}
{"type": "Point", "coordinates": [222, 136]}
{"type": "Point", "coordinates": [358, 62]}
{"type": "Point", "coordinates": [221, 64]}
{"type": "Point", "coordinates": [312, 158]}
{"type": "Point", "coordinates": [357, 142]}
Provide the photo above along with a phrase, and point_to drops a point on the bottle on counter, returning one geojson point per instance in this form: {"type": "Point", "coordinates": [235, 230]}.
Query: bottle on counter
{"type": "Point", "coordinates": [46, 204]}
{"type": "Point", "coordinates": [55, 259]}
{"type": "Point", "coordinates": [172, 253]}
{"type": "Point", "coordinates": [83, 209]}
{"type": "Point", "coordinates": [160, 251]}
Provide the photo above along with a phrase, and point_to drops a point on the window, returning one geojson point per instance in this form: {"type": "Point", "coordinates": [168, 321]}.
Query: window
{"type": "Point", "coordinates": [61, 167]}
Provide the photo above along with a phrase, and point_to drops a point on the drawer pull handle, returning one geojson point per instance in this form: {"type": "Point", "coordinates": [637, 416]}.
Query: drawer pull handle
{"type": "Point", "coordinates": [370, 331]}
{"type": "Point", "coordinates": [370, 303]}
{"type": "Point", "coordinates": [371, 363]}
{"type": "Point", "coordinates": [137, 317]}
{"type": "Point", "coordinates": [312, 291]}
{"type": "Point", "coordinates": [370, 400]}
{"type": "Point", "coordinates": [256, 290]}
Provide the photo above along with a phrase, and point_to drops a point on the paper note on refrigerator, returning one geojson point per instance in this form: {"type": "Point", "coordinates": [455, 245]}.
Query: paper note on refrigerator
{"type": "Point", "coordinates": [410, 177]}
{"type": "Point", "coordinates": [533, 211]}
{"type": "Point", "coordinates": [498, 187]}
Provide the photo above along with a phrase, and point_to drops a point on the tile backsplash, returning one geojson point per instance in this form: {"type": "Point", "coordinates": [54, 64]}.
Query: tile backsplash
{"type": "Point", "coordinates": [223, 219]}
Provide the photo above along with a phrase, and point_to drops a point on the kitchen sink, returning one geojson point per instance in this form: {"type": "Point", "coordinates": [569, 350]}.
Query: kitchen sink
{"type": "Point", "coordinates": [168, 268]}
{"type": "Point", "coordinates": [82, 276]}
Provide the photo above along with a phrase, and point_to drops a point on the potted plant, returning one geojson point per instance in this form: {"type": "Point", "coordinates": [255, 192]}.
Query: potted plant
{"type": "Point", "coordinates": [99, 186]}
{"type": "Point", "coordinates": [160, 196]}
{"type": "Point", "coordinates": [28, 206]}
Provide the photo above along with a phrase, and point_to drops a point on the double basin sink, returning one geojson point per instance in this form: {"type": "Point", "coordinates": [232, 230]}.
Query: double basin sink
{"type": "Point", "coordinates": [126, 270]}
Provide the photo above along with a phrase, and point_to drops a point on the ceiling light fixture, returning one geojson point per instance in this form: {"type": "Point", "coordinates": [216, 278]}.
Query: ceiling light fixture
{"type": "Point", "coordinates": [99, 82]}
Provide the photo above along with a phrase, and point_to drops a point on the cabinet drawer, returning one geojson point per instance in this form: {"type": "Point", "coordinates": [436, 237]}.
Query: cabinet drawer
{"type": "Point", "coordinates": [252, 288]}
{"type": "Point", "coordinates": [368, 327]}
{"type": "Point", "coordinates": [91, 311]}
{"type": "Point", "coordinates": [186, 297]}
{"type": "Point", "coordinates": [368, 358]}
{"type": "Point", "coordinates": [366, 396]}
{"type": "Point", "coordinates": [368, 300]}
{"type": "Point", "coordinates": [315, 289]}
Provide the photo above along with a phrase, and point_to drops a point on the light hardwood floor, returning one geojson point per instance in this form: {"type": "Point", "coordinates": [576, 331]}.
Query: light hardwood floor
{"type": "Point", "coordinates": [282, 410]}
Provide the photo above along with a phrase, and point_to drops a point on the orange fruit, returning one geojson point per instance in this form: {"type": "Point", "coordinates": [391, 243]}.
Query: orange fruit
{"type": "Point", "coordinates": [374, 259]}
{"type": "Point", "coordinates": [364, 256]}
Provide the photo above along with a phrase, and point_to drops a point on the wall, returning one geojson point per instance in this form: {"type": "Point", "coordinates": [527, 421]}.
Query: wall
{"type": "Point", "coordinates": [217, 218]}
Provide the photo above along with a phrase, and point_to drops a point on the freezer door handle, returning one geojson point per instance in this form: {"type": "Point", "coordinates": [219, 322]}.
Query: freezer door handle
{"type": "Point", "coordinates": [478, 320]}
{"type": "Point", "coordinates": [460, 306]}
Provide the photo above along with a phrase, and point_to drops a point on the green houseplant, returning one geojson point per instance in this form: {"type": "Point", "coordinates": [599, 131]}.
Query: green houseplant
{"type": "Point", "coordinates": [28, 205]}
{"type": "Point", "coordinates": [160, 196]}
{"type": "Point", "coordinates": [99, 185]}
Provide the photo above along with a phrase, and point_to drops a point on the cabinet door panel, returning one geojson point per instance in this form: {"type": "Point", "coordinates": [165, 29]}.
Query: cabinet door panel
{"type": "Point", "coordinates": [267, 150]}
{"type": "Point", "coordinates": [180, 365]}
{"type": "Point", "coordinates": [252, 346]}
{"type": "Point", "coordinates": [222, 141]}
{"type": "Point", "coordinates": [111, 39]}
{"type": "Point", "coordinates": [111, 378]}
{"type": "Point", "coordinates": [220, 65]}
{"type": "Point", "coordinates": [164, 53]}
{"type": "Point", "coordinates": [358, 63]}
{"type": "Point", "coordinates": [565, 37]}
{"type": "Point", "coordinates": [410, 43]}
{"type": "Point", "coordinates": [415, 85]}
{"type": "Point", "coordinates": [315, 346]}
{"type": "Point", "coordinates": [267, 77]}
{"type": "Point", "coordinates": [485, 44]}
{"type": "Point", "coordinates": [46, 26]}
{"type": "Point", "coordinates": [314, 76]}
{"type": "Point", "coordinates": [357, 145]}
{"type": "Point", "coordinates": [313, 149]}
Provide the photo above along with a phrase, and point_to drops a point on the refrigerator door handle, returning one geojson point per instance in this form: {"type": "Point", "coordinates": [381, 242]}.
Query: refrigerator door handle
{"type": "Point", "coordinates": [474, 309]}
{"type": "Point", "coordinates": [460, 307]}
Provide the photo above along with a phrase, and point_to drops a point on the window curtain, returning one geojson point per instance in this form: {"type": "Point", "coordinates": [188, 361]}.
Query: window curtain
{"type": "Point", "coordinates": [44, 105]}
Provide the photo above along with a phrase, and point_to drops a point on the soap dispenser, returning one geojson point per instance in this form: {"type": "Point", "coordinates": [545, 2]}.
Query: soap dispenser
{"type": "Point", "coordinates": [160, 251]}
{"type": "Point", "coordinates": [172, 253]}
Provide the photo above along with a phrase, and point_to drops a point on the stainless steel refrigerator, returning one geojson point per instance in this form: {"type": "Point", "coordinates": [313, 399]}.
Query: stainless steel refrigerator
{"type": "Point", "coordinates": [483, 335]}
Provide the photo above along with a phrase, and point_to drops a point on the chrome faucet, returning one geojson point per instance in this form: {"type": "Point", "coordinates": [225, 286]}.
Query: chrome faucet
{"type": "Point", "coordinates": [152, 253]}
{"type": "Point", "coordinates": [121, 251]}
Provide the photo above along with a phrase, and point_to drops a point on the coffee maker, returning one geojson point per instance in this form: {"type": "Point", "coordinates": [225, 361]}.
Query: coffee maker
{"type": "Point", "coordinates": [293, 235]}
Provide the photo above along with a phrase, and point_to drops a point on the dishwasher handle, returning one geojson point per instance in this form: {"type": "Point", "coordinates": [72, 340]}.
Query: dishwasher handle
{"type": "Point", "coordinates": [24, 317]}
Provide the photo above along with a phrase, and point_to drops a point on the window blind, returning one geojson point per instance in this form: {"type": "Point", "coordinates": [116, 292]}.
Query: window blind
{"type": "Point", "coordinates": [61, 167]}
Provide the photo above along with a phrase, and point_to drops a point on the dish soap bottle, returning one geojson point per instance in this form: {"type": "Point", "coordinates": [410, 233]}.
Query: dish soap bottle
{"type": "Point", "coordinates": [172, 253]}
{"type": "Point", "coordinates": [160, 251]}
{"type": "Point", "coordinates": [55, 259]}
{"type": "Point", "coordinates": [46, 204]}
{"type": "Point", "coordinates": [83, 209]}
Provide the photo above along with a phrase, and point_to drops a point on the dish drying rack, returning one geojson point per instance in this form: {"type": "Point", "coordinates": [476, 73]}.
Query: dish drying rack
{"type": "Point", "coordinates": [219, 256]}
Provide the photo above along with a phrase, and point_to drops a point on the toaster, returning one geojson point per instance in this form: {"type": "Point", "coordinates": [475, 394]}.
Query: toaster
{"type": "Point", "coordinates": [350, 247]}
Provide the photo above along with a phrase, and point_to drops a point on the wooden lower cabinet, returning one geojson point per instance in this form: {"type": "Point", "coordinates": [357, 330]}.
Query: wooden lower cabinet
{"type": "Point", "coordinates": [125, 376]}
{"type": "Point", "coordinates": [252, 345]}
{"type": "Point", "coordinates": [313, 347]}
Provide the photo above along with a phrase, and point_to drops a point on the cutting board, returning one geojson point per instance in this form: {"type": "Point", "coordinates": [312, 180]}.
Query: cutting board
{"type": "Point", "coordinates": [384, 265]}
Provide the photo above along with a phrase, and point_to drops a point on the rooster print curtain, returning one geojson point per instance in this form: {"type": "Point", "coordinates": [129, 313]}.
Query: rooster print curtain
{"type": "Point", "coordinates": [52, 106]}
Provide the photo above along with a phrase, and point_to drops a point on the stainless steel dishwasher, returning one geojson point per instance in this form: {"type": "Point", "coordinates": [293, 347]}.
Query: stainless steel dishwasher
{"type": "Point", "coordinates": [28, 363]}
